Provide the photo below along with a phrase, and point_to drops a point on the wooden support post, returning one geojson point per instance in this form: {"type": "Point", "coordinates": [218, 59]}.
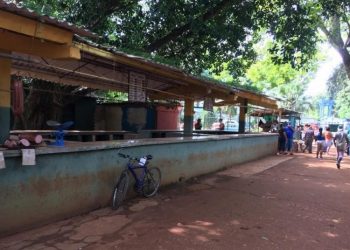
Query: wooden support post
{"type": "Point", "coordinates": [242, 113]}
{"type": "Point", "coordinates": [250, 124]}
{"type": "Point", "coordinates": [5, 98]}
{"type": "Point", "coordinates": [188, 118]}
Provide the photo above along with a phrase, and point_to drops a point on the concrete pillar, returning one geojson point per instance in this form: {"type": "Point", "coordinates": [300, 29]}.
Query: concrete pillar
{"type": "Point", "coordinates": [5, 98]}
{"type": "Point", "coordinates": [279, 116]}
{"type": "Point", "coordinates": [242, 112]}
{"type": "Point", "coordinates": [188, 118]}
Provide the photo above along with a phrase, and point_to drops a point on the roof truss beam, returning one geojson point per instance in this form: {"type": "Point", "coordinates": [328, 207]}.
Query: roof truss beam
{"type": "Point", "coordinates": [32, 28]}
{"type": "Point", "coordinates": [24, 44]}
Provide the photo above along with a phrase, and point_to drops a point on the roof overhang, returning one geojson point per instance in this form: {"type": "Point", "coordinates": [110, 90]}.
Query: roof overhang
{"type": "Point", "coordinates": [284, 113]}
{"type": "Point", "coordinates": [47, 51]}
{"type": "Point", "coordinates": [21, 20]}
{"type": "Point", "coordinates": [33, 28]}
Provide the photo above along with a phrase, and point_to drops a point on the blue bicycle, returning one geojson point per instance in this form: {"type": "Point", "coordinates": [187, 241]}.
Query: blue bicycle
{"type": "Point", "coordinates": [147, 179]}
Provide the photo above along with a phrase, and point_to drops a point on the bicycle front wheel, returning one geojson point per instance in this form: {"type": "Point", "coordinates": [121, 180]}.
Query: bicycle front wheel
{"type": "Point", "coordinates": [151, 182]}
{"type": "Point", "coordinates": [120, 190]}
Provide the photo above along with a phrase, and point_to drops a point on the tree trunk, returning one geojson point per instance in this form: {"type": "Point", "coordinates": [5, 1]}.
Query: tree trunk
{"type": "Point", "coordinates": [335, 39]}
{"type": "Point", "coordinates": [345, 55]}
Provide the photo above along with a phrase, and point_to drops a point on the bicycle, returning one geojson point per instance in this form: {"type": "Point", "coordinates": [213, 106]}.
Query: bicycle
{"type": "Point", "coordinates": [146, 183]}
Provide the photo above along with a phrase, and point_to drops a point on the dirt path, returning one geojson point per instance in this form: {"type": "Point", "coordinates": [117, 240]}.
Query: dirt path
{"type": "Point", "coordinates": [294, 202]}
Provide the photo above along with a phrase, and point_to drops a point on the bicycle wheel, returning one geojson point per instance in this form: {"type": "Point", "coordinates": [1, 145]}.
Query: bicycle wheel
{"type": "Point", "coordinates": [120, 190]}
{"type": "Point", "coordinates": [151, 182]}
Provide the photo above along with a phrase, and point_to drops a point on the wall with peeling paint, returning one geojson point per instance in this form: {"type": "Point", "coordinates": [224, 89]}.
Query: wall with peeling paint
{"type": "Point", "coordinates": [73, 180]}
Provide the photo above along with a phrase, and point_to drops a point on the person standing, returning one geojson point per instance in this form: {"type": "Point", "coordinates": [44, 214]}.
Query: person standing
{"type": "Point", "coordinates": [329, 139]}
{"type": "Point", "coordinates": [289, 132]}
{"type": "Point", "coordinates": [347, 148]}
{"type": "Point", "coordinates": [198, 124]}
{"type": "Point", "coordinates": [308, 139]}
{"type": "Point", "coordinates": [340, 141]}
{"type": "Point", "coordinates": [282, 139]}
{"type": "Point", "coordinates": [221, 125]}
{"type": "Point", "coordinates": [320, 140]}
{"type": "Point", "coordinates": [297, 139]}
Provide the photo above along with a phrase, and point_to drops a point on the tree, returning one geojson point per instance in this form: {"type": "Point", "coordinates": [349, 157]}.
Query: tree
{"type": "Point", "coordinates": [338, 87]}
{"type": "Point", "coordinates": [194, 34]}
{"type": "Point", "coordinates": [94, 15]}
{"type": "Point", "coordinates": [200, 34]}
{"type": "Point", "coordinates": [205, 34]}
{"type": "Point", "coordinates": [281, 80]}
{"type": "Point", "coordinates": [335, 23]}
{"type": "Point", "coordinates": [295, 24]}
{"type": "Point", "coordinates": [337, 82]}
{"type": "Point", "coordinates": [342, 103]}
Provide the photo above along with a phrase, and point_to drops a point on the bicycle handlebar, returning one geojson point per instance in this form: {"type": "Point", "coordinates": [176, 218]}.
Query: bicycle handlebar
{"type": "Point", "coordinates": [148, 157]}
{"type": "Point", "coordinates": [124, 155]}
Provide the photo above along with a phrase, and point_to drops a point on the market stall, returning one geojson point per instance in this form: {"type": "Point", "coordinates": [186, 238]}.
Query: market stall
{"type": "Point", "coordinates": [62, 181]}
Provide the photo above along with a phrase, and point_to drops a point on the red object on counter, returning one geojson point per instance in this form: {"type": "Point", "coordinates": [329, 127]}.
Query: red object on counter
{"type": "Point", "coordinates": [32, 138]}
{"type": "Point", "coordinates": [17, 98]}
{"type": "Point", "coordinates": [168, 117]}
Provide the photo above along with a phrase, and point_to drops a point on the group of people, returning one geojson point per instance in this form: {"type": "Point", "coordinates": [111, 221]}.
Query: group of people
{"type": "Point", "coordinates": [285, 139]}
{"type": "Point", "coordinates": [324, 140]}
{"type": "Point", "coordinates": [217, 126]}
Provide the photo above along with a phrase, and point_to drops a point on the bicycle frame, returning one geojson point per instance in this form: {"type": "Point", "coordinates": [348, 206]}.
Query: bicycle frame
{"type": "Point", "coordinates": [132, 166]}
{"type": "Point", "coordinates": [147, 188]}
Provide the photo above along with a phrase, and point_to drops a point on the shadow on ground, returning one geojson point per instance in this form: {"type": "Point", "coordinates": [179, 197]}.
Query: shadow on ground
{"type": "Point", "coordinates": [281, 202]}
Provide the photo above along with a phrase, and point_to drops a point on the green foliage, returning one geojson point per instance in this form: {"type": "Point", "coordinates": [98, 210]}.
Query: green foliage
{"type": "Point", "coordinates": [267, 75]}
{"type": "Point", "coordinates": [111, 96]}
{"type": "Point", "coordinates": [196, 35]}
{"type": "Point", "coordinates": [281, 80]}
{"type": "Point", "coordinates": [202, 34]}
{"type": "Point", "coordinates": [218, 35]}
{"type": "Point", "coordinates": [339, 89]}
{"type": "Point", "coordinates": [98, 16]}
{"type": "Point", "coordinates": [342, 101]}
{"type": "Point", "coordinates": [337, 82]}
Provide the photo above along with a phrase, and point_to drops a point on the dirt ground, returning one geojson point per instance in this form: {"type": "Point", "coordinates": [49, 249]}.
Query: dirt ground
{"type": "Point", "coordinates": [280, 202]}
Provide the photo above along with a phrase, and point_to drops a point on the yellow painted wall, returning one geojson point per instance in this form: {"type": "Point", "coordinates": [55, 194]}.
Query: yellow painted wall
{"type": "Point", "coordinates": [5, 83]}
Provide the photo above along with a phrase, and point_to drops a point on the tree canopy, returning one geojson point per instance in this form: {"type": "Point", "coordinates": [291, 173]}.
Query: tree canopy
{"type": "Point", "coordinates": [205, 34]}
{"type": "Point", "coordinates": [338, 87]}
{"type": "Point", "coordinates": [219, 38]}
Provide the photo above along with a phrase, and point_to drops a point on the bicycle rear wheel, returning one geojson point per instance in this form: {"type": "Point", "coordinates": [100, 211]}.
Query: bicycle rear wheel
{"type": "Point", "coordinates": [151, 182]}
{"type": "Point", "coordinates": [120, 190]}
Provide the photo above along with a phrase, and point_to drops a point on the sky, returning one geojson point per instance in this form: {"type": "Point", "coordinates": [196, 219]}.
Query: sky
{"type": "Point", "coordinates": [318, 84]}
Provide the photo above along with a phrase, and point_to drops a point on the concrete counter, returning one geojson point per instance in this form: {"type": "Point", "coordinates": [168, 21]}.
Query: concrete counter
{"type": "Point", "coordinates": [71, 147]}
{"type": "Point", "coordinates": [80, 177]}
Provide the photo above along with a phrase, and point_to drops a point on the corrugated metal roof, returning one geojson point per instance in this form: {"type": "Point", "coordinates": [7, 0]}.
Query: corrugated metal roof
{"type": "Point", "coordinates": [284, 112]}
{"type": "Point", "coordinates": [25, 12]}
{"type": "Point", "coordinates": [208, 82]}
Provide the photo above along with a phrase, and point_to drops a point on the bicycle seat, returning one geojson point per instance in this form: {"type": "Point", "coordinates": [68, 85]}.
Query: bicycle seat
{"type": "Point", "coordinates": [149, 157]}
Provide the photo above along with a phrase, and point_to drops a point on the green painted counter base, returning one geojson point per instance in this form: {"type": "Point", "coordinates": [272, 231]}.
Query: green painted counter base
{"type": "Point", "coordinates": [73, 180]}
{"type": "Point", "coordinates": [4, 123]}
